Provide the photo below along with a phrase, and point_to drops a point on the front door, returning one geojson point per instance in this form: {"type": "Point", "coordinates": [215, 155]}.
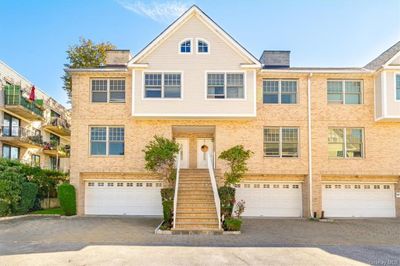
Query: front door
{"type": "Point", "coordinates": [184, 152]}
{"type": "Point", "coordinates": [204, 146]}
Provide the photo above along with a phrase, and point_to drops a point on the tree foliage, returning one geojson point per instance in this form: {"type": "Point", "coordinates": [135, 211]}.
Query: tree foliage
{"type": "Point", "coordinates": [160, 155]}
{"type": "Point", "coordinates": [236, 158]}
{"type": "Point", "coordinates": [85, 54]}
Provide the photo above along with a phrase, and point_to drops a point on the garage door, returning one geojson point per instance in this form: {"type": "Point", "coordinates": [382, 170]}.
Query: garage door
{"type": "Point", "coordinates": [271, 199]}
{"type": "Point", "coordinates": [358, 200]}
{"type": "Point", "coordinates": [123, 198]}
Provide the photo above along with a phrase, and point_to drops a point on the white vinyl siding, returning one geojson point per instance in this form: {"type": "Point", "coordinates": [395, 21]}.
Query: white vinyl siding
{"type": "Point", "coordinates": [344, 91]}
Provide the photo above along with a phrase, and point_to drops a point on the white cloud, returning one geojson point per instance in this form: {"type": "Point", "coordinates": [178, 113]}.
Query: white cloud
{"type": "Point", "coordinates": [157, 11]}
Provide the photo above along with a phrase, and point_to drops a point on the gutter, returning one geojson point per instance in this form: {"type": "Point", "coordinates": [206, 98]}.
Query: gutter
{"type": "Point", "coordinates": [328, 71]}
{"type": "Point", "coordinates": [310, 176]}
{"type": "Point", "coordinates": [78, 70]}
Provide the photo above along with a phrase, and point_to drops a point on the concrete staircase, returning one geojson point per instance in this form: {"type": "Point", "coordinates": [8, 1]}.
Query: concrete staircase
{"type": "Point", "coordinates": [196, 208]}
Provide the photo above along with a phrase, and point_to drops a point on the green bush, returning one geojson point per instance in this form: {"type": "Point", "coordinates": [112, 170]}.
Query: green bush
{"type": "Point", "coordinates": [167, 197]}
{"type": "Point", "coordinates": [11, 181]}
{"type": "Point", "coordinates": [67, 198]}
{"type": "Point", "coordinates": [232, 224]}
{"type": "Point", "coordinates": [227, 199]}
{"type": "Point", "coordinates": [28, 197]}
{"type": "Point", "coordinates": [236, 158]}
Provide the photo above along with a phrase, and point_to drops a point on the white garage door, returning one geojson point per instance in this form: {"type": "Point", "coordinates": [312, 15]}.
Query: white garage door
{"type": "Point", "coordinates": [271, 199]}
{"type": "Point", "coordinates": [358, 200]}
{"type": "Point", "coordinates": [123, 198]}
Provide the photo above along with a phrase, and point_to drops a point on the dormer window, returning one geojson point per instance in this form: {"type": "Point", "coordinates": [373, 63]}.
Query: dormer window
{"type": "Point", "coordinates": [202, 47]}
{"type": "Point", "coordinates": [186, 47]}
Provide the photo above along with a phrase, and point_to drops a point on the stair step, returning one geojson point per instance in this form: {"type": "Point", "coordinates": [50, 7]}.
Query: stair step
{"type": "Point", "coordinates": [195, 205]}
{"type": "Point", "coordinates": [196, 201]}
{"type": "Point", "coordinates": [198, 231]}
{"type": "Point", "coordinates": [198, 209]}
{"type": "Point", "coordinates": [208, 196]}
{"type": "Point", "coordinates": [208, 215]}
{"type": "Point", "coordinates": [197, 223]}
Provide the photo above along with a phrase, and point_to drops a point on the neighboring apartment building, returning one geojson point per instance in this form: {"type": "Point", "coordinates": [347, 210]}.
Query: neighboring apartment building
{"type": "Point", "coordinates": [324, 139]}
{"type": "Point", "coordinates": [34, 132]}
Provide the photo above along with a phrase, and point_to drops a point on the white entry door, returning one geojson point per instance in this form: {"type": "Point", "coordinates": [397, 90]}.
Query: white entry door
{"type": "Point", "coordinates": [184, 152]}
{"type": "Point", "coordinates": [269, 199]}
{"type": "Point", "coordinates": [358, 200]}
{"type": "Point", "coordinates": [208, 146]}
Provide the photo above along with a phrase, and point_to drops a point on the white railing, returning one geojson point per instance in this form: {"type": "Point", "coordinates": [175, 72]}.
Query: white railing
{"type": "Point", "coordinates": [178, 166]}
{"type": "Point", "coordinates": [214, 188]}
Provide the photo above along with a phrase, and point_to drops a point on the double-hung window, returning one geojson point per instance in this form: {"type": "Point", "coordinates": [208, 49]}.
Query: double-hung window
{"type": "Point", "coordinates": [225, 85]}
{"type": "Point", "coordinates": [107, 140]}
{"type": "Point", "coordinates": [162, 85]}
{"type": "Point", "coordinates": [10, 152]}
{"type": "Point", "coordinates": [346, 143]}
{"type": "Point", "coordinates": [279, 91]}
{"type": "Point", "coordinates": [11, 126]}
{"type": "Point", "coordinates": [344, 91]}
{"type": "Point", "coordinates": [281, 142]}
{"type": "Point", "coordinates": [398, 87]}
{"type": "Point", "coordinates": [108, 90]}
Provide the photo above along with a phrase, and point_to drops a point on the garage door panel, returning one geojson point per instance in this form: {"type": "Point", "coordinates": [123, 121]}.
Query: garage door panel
{"type": "Point", "coordinates": [128, 198]}
{"type": "Point", "coordinates": [358, 200]}
{"type": "Point", "coordinates": [263, 199]}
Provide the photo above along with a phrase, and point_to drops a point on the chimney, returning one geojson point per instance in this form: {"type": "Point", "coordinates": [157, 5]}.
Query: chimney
{"type": "Point", "coordinates": [117, 57]}
{"type": "Point", "coordinates": [275, 59]}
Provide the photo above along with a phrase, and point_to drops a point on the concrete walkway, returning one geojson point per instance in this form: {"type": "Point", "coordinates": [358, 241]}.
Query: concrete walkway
{"type": "Point", "coordinates": [136, 255]}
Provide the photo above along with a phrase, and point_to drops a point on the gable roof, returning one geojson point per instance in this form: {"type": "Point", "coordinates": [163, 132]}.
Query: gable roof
{"type": "Point", "coordinates": [384, 57]}
{"type": "Point", "coordinates": [206, 19]}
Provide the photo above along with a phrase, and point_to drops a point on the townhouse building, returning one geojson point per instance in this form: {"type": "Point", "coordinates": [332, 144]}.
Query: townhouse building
{"type": "Point", "coordinates": [34, 131]}
{"type": "Point", "coordinates": [325, 140]}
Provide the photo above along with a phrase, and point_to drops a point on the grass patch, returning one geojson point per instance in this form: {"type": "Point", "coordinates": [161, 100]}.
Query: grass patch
{"type": "Point", "coordinates": [49, 211]}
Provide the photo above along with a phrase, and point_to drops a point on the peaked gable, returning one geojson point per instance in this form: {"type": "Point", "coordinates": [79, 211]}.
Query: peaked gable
{"type": "Point", "coordinates": [189, 14]}
{"type": "Point", "coordinates": [385, 58]}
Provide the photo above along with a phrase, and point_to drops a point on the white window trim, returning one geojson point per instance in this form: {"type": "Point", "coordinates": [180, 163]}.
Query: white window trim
{"type": "Point", "coordinates": [108, 89]}
{"type": "Point", "coordinates": [344, 91]}
{"type": "Point", "coordinates": [280, 143]}
{"type": "Point", "coordinates": [107, 141]}
{"type": "Point", "coordinates": [345, 144]}
{"type": "Point", "coordinates": [191, 46]}
{"type": "Point", "coordinates": [395, 88]}
{"type": "Point", "coordinates": [225, 84]}
{"type": "Point", "coordinates": [280, 91]}
{"type": "Point", "coordinates": [197, 45]}
{"type": "Point", "coordinates": [162, 72]}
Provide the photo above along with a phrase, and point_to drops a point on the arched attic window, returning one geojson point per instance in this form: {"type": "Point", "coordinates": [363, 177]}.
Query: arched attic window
{"type": "Point", "coordinates": [202, 47]}
{"type": "Point", "coordinates": [185, 47]}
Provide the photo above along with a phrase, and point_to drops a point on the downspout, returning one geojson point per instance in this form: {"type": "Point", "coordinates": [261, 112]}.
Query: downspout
{"type": "Point", "coordinates": [310, 176]}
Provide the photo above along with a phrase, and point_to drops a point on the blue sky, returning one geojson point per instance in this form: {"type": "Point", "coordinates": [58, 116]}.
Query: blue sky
{"type": "Point", "coordinates": [34, 35]}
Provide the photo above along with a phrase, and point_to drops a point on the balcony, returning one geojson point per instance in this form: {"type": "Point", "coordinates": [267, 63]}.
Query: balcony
{"type": "Point", "coordinates": [16, 103]}
{"type": "Point", "coordinates": [20, 137]}
{"type": "Point", "coordinates": [54, 149]}
{"type": "Point", "coordinates": [58, 125]}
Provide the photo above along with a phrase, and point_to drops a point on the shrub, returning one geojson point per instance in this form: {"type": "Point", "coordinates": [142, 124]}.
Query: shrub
{"type": "Point", "coordinates": [232, 224]}
{"type": "Point", "coordinates": [67, 198]}
{"type": "Point", "coordinates": [227, 199]}
{"type": "Point", "coordinates": [160, 155]}
{"type": "Point", "coordinates": [167, 197]}
{"type": "Point", "coordinates": [28, 197]}
{"type": "Point", "coordinates": [236, 158]}
{"type": "Point", "coordinates": [239, 208]}
{"type": "Point", "coordinates": [11, 181]}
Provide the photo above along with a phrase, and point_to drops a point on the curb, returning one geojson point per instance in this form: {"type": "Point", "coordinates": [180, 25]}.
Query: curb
{"type": "Point", "coordinates": [158, 231]}
{"type": "Point", "coordinates": [28, 215]}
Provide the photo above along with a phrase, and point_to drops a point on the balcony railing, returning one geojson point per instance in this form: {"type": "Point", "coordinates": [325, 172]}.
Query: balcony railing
{"type": "Point", "coordinates": [13, 97]}
{"type": "Point", "coordinates": [55, 149]}
{"type": "Point", "coordinates": [58, 125]}
{"type": "Point", "coordinates": [21, 136]}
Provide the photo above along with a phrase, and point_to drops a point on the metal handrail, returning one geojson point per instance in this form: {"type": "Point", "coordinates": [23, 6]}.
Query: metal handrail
{"type": "Point", "coordinates": [58, 121]}
{"type": "Point", "coordinates": [178, 166]}
{"type": "Point", "coordinates": [214, 188]}
{"type": "Point", "coordinates": [21, 133]}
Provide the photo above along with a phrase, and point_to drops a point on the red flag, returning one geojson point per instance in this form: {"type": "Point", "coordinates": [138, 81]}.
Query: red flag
{"type": "Point", "coordinates": [32, 94]}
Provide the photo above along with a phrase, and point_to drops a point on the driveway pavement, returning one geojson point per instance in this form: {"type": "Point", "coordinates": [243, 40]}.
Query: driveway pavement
{"type": "Point", "coordinates": [372, 241]}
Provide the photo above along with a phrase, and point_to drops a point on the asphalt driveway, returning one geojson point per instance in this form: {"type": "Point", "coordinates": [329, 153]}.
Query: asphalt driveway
{"type": "Point", "coordinates": [372, 241]}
